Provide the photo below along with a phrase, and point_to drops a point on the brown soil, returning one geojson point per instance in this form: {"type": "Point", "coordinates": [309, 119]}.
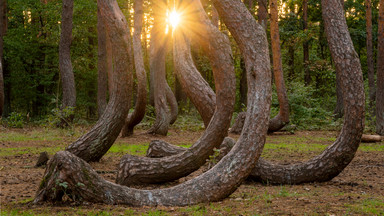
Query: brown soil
{"type": "Point", "coordinates": [358, 190]}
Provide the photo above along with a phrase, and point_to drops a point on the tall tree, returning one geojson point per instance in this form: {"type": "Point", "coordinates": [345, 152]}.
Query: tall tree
{"type": "Point", "coordinates": [380, 73]}
{"type": "Point", "coordinates": [307, 75]}
{"type": "Point", "coordinates": [282, 118]}
{"type": "Point", "coordinates": [336, 157]}
{"type": "Point", "coordinates": [370, 62]}
{"type": "Point", "coordinates": [94, 144]}
{"type": "Point", "coordinates": [214, 185]}
{"type": "Point", "coordinates": [65, 64]}
{"type": "Point", "coordinates": [141, 101]}
{"type": "Point", "coordinates": [338, 112]}
{"type": "Point", "coordinates": [163, 95]}
{"type": "Point", "coordinates": [104, 65]}
{"type": "Point", "coordinates": [3, 29]}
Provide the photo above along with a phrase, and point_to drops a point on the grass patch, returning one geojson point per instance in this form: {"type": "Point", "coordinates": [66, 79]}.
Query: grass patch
{"type": "Point", "coordinates": [371, 206]}
{"type": "Point", "coordinates": [28, 150]}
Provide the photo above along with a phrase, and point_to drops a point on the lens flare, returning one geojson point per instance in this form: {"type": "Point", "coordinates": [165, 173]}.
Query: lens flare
{"type": "Point", "coordinates": [174, 19]}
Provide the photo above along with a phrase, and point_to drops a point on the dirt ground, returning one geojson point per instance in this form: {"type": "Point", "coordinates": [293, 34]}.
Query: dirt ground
{"type": "Point", "coordinates": [358, 190]}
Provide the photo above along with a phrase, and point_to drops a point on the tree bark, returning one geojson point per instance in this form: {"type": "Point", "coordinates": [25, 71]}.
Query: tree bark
{"type": "Point", "coordinates": [158, 51]}
{"type": "Point", "coordinates": [262, 13]}
{"type": "Point", "coordinates": [307, 74]}
{"type": "Point", "coordinates": [94, 144]}
{"type": "Point", "coordinates": [65, 64]}
{"type": "Point", "coordinates": [84, 184]}
{"type": "Point", "coordinates": [380, 73]}
{"type": "Point", "coordinates": [137, 170]}
{"type": "Point", "coordinates": [3, 29]}
{"type": "Point", "coordinates": [336, 157]}
{"type": "Point", "coordinates": [282, 118]}
{"type": "Point", "coordinates": [141, 101]}
{"type": "Point", "coordinates": [215, 17]}
{"type": "Point", "coordinates": [370, 63]}
{"type": "Point", "coordinates": [371, 138]}
{"type": "Point", "coordinates": [173, 106]}
{"type": "Point", "coordinates": [104, 65]}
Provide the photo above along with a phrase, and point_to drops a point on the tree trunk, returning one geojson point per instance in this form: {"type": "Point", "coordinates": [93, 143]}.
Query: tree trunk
{"type": "Point", "coordinates": [3, 29]}
{"type": "Point", "coordinates": [105, 66]}
{"type": "Point", "coordinates": [307, 74]}
{"type": "Point", "coordinates": [262, 13]}
{"type": "Point", "coordinates": [336, 157]}
{"type": "Point", "coordinates": [141, 101]}
{"type": "Point", "coordinates": [171, 99]}
{"type": "Point", "coordinates": [94, 144]}
{"type": "Point", "coordinates": [370, 63]}
{"type": "Point", "coordinates": [371, 138]}
{"type": "Point", "coordinates": [84, 184]}
{"type": "Point", "coordinates": [137, 170]}
{"type": "Point", "coordinates": [282, 118]}
{"type": "Point", "coordinates": [157, 66]}
{"type": "Point", "coordinates": [215, 17]}
{"type": "Point", "coordinates": [66, 71]}
{"type": "Point", "coordinates": [380, 73]}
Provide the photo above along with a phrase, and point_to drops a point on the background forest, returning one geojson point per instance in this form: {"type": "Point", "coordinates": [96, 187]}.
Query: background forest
{"type": "Point", "coordinates": [32, 77]}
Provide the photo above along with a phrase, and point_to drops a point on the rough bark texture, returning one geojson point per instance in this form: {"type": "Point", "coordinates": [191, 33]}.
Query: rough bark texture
{"type": "Point", "coordinates": [104, 64]}
{"type": "Point", "coordinates": [215, 17]}
{"type": "Point", "coordinates": [3, 28]}
{"type": "Point", "coordinates": [160, 148]}
{"type": "Point", "coordinates": [262, 13]}
{"type": "Point", "coordinates": [237, 127]}
{"type": "Point", "coordinates": [141, 101]}
{"type": "Point", "coordinates": [65, 64]}
{"type": "Point", "coordinates": [158, 51]}
{"type": "Point", "coordinates": [336, 157]}
{"type": "Point", "coordinates": [282, 118]}
{"type": "Point", "coordinates": [136, 170]}
{"type": "Point", "coordinates": [214, 185]}
{"type": "Point", "coordinates": [370, 63]}
{"type": "Point", "coordinates": [307, 75]}
{"type": "Point", "coordinates": [380, 73]}
{"type": "Point", "coordinates": [94, 144]}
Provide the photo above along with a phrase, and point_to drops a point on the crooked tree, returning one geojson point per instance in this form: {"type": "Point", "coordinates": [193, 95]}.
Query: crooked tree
{"type": "Point", "coordinates": [336, 157]}
{"type": "Point", "coordinates": [94, 144]}
{"type": "Point", "coordinates": [141, 101]}
{"type": "Point", "coordinates": [216, 184]}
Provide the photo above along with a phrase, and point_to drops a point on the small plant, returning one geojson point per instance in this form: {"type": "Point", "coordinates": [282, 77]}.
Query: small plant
{"type": "Point", "coordinates": [15, 120]}
{"type": "Point", "coordinates": [61, 118]}
{"type": "Point", "coordinates": [213, 159]}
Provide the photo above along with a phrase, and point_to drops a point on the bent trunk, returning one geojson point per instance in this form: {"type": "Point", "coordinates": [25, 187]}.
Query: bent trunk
{"type": "Point", "coordinates": [141, 101]}
{"type": "Point", "coordinates": [134, 170]}
{"type": "Point", "coordinates": [94, 144]}
{"type": "Point", "coordinates": [336, 157]}
{"type": "Point", "coordinates": [83, 183]}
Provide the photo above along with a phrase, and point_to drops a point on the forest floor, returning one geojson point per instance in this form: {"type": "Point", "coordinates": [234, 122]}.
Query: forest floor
{"type": "Point", "coordinates": [358, 190]}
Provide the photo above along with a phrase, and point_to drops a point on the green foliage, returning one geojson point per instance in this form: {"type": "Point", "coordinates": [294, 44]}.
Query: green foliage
{"type": "Point", "coordinates": [59, 117]}
{"type": "Point", "coordinates": [15, 120]}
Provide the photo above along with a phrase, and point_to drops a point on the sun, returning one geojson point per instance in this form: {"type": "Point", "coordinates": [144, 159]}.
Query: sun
{"type": "Point", "coordinates": [174, 18]}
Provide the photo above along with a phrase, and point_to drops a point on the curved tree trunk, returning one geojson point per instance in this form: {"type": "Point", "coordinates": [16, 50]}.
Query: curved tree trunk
{"type": "Point", "coordinates": [173, 107]}
{"type": "Point", "coordinates": [380, 73]}
{"type": "Point", "coordinates": [336, 157]}
{"type": "Point", "coordinates": [282, 118]}
{"type": "Point", "coordinates": [65, 64]}
{"type": "Point", "coordinates": [158, 51]}
{"type": "Point", "coordinates": [141, 101]}
{"type": "Point", "coordinates": [104, 64]}
{"type": "Point", "coordinates": [134, 170]}
{"type": "Point", "coordinates": [94, 144]}
{"type": "Point", "coordinates": [84, 184]}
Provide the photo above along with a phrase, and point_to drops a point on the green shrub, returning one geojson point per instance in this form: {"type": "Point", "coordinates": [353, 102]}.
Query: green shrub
{"type": "Point", "coordinates": [15, 120]}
